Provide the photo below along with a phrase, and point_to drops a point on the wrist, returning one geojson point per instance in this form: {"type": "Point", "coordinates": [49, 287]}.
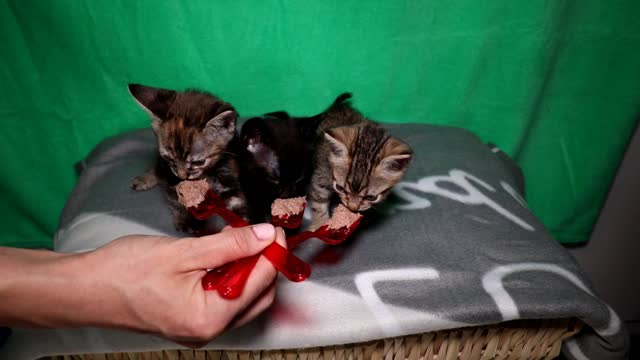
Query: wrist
{"type": "Point", "coordinates": [25, 284]}
{"type": "Point", "coordinates": [49, 289]}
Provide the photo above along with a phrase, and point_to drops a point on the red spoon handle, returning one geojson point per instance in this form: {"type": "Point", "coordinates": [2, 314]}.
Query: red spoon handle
{"type": "Point", "coordinates": [297, 239]}
{"type": "Point", "coordinates": [288, 264]}
{"type": "Point", "coordinates": [212, 279]}
{"type": "Point", "coordinates": [229, 280]}
{"type": "Point", "coordinates": [213, 205]}
{"type": "Point", "coordinates": [233, 284]}
{"type": "Point", "coordinates": [232, 218]}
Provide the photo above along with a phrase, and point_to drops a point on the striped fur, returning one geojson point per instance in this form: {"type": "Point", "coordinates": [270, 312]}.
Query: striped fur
{"type": "Point", "coordinates": [356, 159]}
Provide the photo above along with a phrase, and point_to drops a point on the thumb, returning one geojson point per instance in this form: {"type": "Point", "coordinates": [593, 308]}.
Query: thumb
{"type": "Point", "coordinates": [211, 251]}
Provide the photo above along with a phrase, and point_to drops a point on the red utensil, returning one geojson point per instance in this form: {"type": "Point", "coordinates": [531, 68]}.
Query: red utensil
{"type": "Point", "coordinates": [333, 233]}
{"type": "Point", "coordinates": [232, 284]}
{"type": "Point", "coordinates": [288, 264]}
{"type": "Point", "coordinates": [230, 279]}
{"type": "Point", "coordinates": [294, 269]}
{"type": "Point", "coordinates": [326, 233]}
{"type": "Point", "coordinates": [212, 279]}
{"type": "Point", "coordinates": [289, 220]}
{"type": "Point", "coordinates": [214, 205]}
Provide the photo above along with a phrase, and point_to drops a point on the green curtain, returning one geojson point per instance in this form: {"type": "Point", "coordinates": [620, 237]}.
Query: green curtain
{"type": "Point", "coordinates": [556, 83]}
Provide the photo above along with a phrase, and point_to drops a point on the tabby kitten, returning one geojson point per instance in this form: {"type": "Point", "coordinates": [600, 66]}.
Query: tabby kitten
{"type": "Point", "coordinates": [196, 134]}
{"type": "Point", "coordinates": [355, 159]}
{"type": "Point", "coordinates": [276, 159]}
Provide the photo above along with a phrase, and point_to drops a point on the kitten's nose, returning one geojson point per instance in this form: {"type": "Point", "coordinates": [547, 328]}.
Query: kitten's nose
{"type": "Point", "coordinates": [182, 173]}
{"type": "Point", "coordinates": [353, 204]}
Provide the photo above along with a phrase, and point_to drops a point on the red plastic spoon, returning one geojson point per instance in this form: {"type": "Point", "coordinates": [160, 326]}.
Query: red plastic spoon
{"type": "Point", "coordinates": [332, 233]}
{"type": "Point", "coordinates": [288, 220]}
{"type": "Point", "coordinates": [238, 272]}
{"type": "Point", "coordinates": [294, 269]}
{"type": "Point", "coordinates": [335, 231]}
{"type": "Point", "coordinates": [214, 205]}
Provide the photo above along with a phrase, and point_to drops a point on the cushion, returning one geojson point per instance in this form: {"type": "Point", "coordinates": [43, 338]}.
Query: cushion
{"type": "Point", "coordinates": [455, 245]}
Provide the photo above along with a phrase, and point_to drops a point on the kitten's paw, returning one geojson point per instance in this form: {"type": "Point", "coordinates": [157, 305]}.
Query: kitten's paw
{"type": "Point", "coordinates": [143, 183]}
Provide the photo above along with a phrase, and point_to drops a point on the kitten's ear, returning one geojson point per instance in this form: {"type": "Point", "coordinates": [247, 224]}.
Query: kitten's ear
{"type": "Point", "coordinates": [253, 131]}
{"type": "Point", "coordinates": [221, 124]}
{"type": "Point", "coordinates": [336, 138]}
{"type": "Point", "coordinates": [255, 139]}
{"type": "Point", "coordinates": [396, 163]}
{"type": "Point", "coordinates": [226, 119]}
{"type": "Point", "coordinates": [154, 101]}
{"type": "Point", "coordinates": [397, 156]}
{"type": "Point", "coordinates": [283, 115]}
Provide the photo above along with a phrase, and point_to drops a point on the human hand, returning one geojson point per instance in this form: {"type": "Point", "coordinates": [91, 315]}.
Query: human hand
{"type": "Point", "coordinates": [153, 283]}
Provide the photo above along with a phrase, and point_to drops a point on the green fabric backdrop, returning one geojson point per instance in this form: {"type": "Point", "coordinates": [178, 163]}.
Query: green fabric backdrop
{"type": "Point", "coordinates": [555, 83]}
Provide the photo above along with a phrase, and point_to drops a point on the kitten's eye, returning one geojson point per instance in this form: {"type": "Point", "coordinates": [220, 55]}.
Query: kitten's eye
{"type": "Point", "coordinates": [198, 162]}
{"type": "Point", "coordinates": [371, 198]}
{"type": "Point", "coordinates": [339, 188]}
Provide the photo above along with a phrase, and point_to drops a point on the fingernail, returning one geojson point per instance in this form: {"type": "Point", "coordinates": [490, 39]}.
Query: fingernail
{"type": "Point", "coordinates": [264, 231]}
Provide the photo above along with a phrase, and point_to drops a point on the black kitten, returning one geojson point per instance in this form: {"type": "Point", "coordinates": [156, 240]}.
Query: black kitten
{"type": "Point", "coordinates": [277, 158]}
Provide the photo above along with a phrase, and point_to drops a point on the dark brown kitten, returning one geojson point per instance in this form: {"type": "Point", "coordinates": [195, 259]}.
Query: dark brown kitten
{"type": "Point", "coordinates": [355, 159]}
{"type": "Point", "coordinates": [196, 133]}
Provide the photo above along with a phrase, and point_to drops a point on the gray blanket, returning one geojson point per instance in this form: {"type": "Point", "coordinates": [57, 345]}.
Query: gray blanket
{"type": "Point", "coordinates": [455, 245]}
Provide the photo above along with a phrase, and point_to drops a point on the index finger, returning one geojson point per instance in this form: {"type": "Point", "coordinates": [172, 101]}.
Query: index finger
{"type": "Point", "coordinates": [215, 250]}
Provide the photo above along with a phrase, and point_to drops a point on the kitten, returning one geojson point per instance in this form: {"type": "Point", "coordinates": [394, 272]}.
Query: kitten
{"type": "Point", "coordinates": [196, 134]}
{"type": "Point", "coordinates": [355, 159]}
{"type": "Point", "coordinates": [276, 158]}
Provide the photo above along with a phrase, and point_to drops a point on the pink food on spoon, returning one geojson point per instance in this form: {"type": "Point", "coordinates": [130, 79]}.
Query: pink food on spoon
{"type": "Point", "coordinates": [342, 218]}
{"type": "Point", "coordinates": [341, 225]}
{"type": "Point", "coordinates": [192, 193]}
{"type": "Point", "coordinates": [336, 230]}
{"type": "Point", "coordinates": [285, 213]}
{"type": "Point", "coordinates": [230, 279]}
{"type": "Point", "coordinates": [288, 213]}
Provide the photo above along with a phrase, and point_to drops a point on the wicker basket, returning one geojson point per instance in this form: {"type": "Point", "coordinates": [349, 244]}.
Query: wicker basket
{"type": "Point", "coordinates": [522, 339]}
